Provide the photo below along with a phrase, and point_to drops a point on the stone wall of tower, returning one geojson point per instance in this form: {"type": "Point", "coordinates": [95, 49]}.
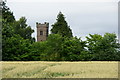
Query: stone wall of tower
{"type": "Point", "coordinates": [42, 31]}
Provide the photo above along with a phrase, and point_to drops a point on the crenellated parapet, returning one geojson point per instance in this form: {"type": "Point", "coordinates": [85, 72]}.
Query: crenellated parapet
{"type": "Point", "coordinates": [45, 24]}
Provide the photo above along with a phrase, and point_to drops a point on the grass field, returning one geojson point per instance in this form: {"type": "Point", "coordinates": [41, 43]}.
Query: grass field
{"type": "Point", "coordinates": [42, 69]}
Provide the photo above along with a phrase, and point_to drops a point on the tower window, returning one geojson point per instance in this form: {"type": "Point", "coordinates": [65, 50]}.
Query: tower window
{"type": "Point", "coordinates": [41, 32]}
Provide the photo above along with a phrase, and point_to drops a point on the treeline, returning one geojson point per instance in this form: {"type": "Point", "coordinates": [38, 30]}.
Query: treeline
{"type": "Point", "coordinates": [58, 48]}
{"type": "Point", "coordinates": [18, 45]}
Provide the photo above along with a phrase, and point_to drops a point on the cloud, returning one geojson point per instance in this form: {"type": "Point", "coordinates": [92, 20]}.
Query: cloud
{"type": "Point", "coordinates": [84, 17]}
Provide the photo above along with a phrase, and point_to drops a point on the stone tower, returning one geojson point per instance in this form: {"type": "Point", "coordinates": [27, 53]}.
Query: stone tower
{"type": "Point", "coordinates": [42, 31]}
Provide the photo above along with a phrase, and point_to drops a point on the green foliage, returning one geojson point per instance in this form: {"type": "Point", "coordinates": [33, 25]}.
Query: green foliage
{"type": "Point", "coordinates": [23, 29]}
{"type": "Point", "coordinates": [37, 51]}
{"type": "Point", "coordinates": [7, 15]}
{"type": "Point", "coordinates": [61, 27]}
{"type": "Point", "coordinates": [47, 50]}
{"type": "Point", "coordinates": [7, 32]}
{"type": "Point", "coordinates": [15, 47]}
{"type": "Point", "coordinates": [53, 48]}
{"type": "Point", "coordinates": [14, 44]}
{"type": "Point", "coordinates": [72, 48]}
{"type": "Point", "coordinates": [103, 48]}
{"type": "Point", "coordinates": [58, 48]}
{"type": "Point", "coordinates": [17, 43]}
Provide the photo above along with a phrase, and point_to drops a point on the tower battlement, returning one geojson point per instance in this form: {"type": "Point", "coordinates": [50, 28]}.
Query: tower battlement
{"type": "Point", "coordinates": [42, 31]}
{"type": "Point", "coordinates": [45, 24]}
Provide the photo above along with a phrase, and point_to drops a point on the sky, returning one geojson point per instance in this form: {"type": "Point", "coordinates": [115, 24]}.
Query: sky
{"type": "Point", "coordinates": [83, 16]}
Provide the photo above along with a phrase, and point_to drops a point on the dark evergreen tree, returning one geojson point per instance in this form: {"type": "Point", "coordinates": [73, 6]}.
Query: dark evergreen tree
{"type": "Point", "coordinates": [7, 15]}
{"type": "Point", "coordinates": [61, 27]}
{"type": "Point", "coordinates": [13, 43]}
{"type": "Point", "coordinates": [7, 29]}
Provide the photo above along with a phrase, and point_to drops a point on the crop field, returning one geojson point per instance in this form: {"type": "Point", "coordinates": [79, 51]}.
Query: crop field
{"type": "Point", "coordinates": [47, 69]}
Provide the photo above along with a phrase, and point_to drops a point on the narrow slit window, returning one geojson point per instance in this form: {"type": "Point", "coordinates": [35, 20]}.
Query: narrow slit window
{"type": "Point", "coordinates": [41, 32]}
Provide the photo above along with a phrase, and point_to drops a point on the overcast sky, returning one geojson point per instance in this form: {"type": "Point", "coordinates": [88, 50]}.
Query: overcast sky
{"type": "Point", "coordinates": [83, 16]}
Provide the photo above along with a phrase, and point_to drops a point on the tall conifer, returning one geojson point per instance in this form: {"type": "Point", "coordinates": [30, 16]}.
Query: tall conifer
{"type": "Point", "coordinates": [61, 27]}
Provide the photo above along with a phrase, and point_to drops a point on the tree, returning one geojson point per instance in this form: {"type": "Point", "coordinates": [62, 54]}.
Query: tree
{"type": "Point", "coordinates": [7, 29]}
{"type": "Point", "coordinates": [103, 48]}
{"type": "Point", "coordinates": [15, 47]}
{"type": "Point", "coordinates": [23, 29]}
{"type": "Point", "coordinates": [72, 49]}
{"type": "Point", "coordinates": [7, 21]}
{"type": "Point", "coordinates": [7, 15]}
{"type": "Point", "coordinates": [13, 44]}
{"type": "Point", "coordinates": [47, 50]}
{"type": "Point", "coordinates": [37, 52]}
{"type": "Point", "coordinates": [53, 47]}
{"type": "Point", "coordinates": [61, 27]}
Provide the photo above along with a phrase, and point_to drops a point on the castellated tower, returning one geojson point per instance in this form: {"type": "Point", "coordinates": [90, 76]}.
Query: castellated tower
{"type": "Point", "coordinates": [42, 31]}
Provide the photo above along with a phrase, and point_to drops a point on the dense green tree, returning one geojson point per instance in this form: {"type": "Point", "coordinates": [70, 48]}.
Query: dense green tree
{"type": "Point", "coordinates": [20, 27]}
{"type": "Point", "coordinates": [7, 21]}
{"type": "Point", "coordinates": [23, 29]}
{"type": "Point", "coordinates": [103, 48]}
{"type": "Point", "coordinates": [7, 29]}
{"type": "Point", "coordinates": [47, 50]}
{"type": "Point", "coordinates": [58, 48]}
{"type": "Point", "coordinates": [61, 27]}
{"type": "Point", "coordinates": [72, 49]}
{"type": "Point", "coordinates": [53, 47]}
{"type": "Point", "coordinates": [37, 52]}
{"type": "Point", "coordinates": [15, 47]}
{"type": "Point", "coordinates": [7, 32]}
{"type": "Point", "coordinates": [13, 44]}
{"type": "Point", "coordinates": [7, 15]}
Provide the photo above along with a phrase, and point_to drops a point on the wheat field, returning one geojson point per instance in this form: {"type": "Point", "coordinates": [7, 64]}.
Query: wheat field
{"type": "Point", "coordinates": [44, 69]}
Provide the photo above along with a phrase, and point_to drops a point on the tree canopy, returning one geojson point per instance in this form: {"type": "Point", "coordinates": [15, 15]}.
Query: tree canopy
{"type": "Point", "coordinates": [19, 45]}
{"type": "Point", "coordinates": [7, 15]}
{"type": "Point", "coordinates": [61, 27]}
{"type": "Point", "coordinates": [21, 28]}
{"type": "Point", "coordinates": [16, 35]}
